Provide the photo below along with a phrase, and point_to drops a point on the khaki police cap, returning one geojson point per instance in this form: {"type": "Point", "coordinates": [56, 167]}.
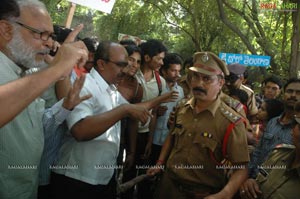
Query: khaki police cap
{"type": "Point", "coordinates": [208, 63]}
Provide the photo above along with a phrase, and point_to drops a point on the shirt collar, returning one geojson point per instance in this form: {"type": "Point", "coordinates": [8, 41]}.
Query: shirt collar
{"type": "Point", "coordinates": [212, 108]}
{"type": "Point", "coordinates": [11, 64]}
{"type": "Point", "coordinates": [102, 84]}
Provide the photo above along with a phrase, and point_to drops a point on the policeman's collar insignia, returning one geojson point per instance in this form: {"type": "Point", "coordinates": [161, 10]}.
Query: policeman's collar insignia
{"type": "Point", "coordinates": [205, 58]}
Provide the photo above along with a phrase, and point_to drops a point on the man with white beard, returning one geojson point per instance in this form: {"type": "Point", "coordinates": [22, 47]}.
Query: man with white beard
{"type": "Point", "coordinates": [25, 41]}
{"type": "Point", "coordinates": [30, 87]}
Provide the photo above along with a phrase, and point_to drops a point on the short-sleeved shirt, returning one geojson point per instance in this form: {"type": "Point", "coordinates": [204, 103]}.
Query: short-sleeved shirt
{"type": "Point", "coordinates": [92, 161]}
{"type": "Point", "coordinates": [197, 136]}
{"type": "Point", "coordinates": [150, 91]}
{"type": "Point", "coordinates": [275, 133]}
{"type": "Point", "coordinates": [280, 179]}
{"type": "Point", "coordinates": [21, 143]}
{"type": "Point", "coordinates": [22, 140]}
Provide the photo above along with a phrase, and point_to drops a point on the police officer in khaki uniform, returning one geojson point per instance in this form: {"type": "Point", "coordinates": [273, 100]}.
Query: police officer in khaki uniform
{"type": "Point", "coordinates": [206, 131]}
{"type": "Point", "coordinates": [279, 176]}
{"type": "Point", "coordinates": [235, 80]}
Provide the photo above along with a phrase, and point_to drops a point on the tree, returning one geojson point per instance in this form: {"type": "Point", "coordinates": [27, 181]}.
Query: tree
{"type": "Point", "coordinates": [295, 46]}
{"type": "Point", "coordinates": [264, 30]}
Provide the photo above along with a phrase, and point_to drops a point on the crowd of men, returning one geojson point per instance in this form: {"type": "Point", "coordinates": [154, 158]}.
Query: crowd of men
{"type": "Point", "coordinates": [80, 117]}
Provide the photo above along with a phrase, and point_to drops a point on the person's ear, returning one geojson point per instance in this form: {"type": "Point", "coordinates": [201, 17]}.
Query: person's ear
{"type": "Point", "coordinates": [147, 58]}
{"type": "Point", "coordinates": [100, 65]}
{"type": "Point", "coordinates": [221, 82]}
{"type": "Point", "coordinates": [6, 30]}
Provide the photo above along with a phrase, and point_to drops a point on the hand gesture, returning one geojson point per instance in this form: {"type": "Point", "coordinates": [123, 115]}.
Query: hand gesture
{"type": "Point", "coordinates": [138, 112]}
{"type": "Point", "coordinates": [69, 54]}
{"type": "Point", "coordinates": [171, 96]}
{"type": "Point", "coordinates": [73, 98]}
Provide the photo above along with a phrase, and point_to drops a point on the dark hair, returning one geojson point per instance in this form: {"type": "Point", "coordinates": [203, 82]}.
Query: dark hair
{"type": "Point", "coordinates": [9, 8]}
{"type": "Point", "coordinates": [102, 51]}
{"type": "Point", "coordinates": [274, 80]}
{"type": "Point", "coordinates": [61, 33]}
{"type": "Point", "coordinates": [240, 94]}
{"type": "Point", "coordinates": [274, 107]}
{"type": "Point", "coordinates": [171, 58]}
{"type": "Point", "coordinates": [290, 81]}
{"type": "Point", "coordinates": [91, 44]}
{"type": "Point", "coordinates": [132, 49]}
{"type": "Point", "coordinates": [127, 42]}
{"type": "Point", "coordinates": [188, 63]}
{"type": "Point", "coordinates": [152, 48]}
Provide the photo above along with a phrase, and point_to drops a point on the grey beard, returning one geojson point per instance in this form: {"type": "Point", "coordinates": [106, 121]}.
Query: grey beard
{"type": "Point", "coordinates": [22, 54]}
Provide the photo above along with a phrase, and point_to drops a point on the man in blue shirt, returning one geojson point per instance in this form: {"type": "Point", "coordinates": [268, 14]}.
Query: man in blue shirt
{"type": "Point", "coordinates": [278, 131]}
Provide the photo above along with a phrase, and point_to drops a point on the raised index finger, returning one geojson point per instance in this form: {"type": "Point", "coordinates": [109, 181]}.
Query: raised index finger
{"type": "Point", "coordinates": [72, 35]}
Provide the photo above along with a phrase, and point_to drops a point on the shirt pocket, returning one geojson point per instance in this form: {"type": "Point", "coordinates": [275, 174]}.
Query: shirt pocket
{"type": "Point", "coordinates": [205, 143]}
{"type": "Point", "coordinates": [268, 138]}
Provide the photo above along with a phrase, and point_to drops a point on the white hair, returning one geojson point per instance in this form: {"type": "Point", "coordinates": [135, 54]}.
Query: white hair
{"type": "Point", "coordinates": [31, 3]}
{"type": "Point", "coordinates": [28, 3]}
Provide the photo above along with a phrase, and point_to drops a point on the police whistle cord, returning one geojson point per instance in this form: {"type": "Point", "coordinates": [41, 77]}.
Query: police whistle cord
{"type": "Point", "coordinates": [129, 184]}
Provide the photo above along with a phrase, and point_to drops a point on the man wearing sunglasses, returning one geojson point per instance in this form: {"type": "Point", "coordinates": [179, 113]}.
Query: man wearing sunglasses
{"type": "Point", "coordinates": [235, 80]}
{"type": "Point", "coordinates": [92, 145]}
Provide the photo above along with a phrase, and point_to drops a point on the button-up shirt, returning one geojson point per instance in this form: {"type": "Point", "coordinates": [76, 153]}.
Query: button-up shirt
{"type": "Point", "coordinates": [92, 161]}
{"type": "Point", "coordinates": [22, 141]}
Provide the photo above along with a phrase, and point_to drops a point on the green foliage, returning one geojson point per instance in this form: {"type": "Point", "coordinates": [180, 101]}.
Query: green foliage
{"type": "Point", "coordinates": [187, 26]}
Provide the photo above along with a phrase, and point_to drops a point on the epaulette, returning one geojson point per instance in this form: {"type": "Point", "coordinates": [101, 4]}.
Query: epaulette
{"type": "Point", "coordinates": [182, 102]}
{"type": "Point", "coordinates": [230, 114]}
{"type": "Point", "coordinates": [284, 146]}
{"type": "Point", "coordinates": [247, 89]}
{"type": "Point", "coordinates": [233, 103]}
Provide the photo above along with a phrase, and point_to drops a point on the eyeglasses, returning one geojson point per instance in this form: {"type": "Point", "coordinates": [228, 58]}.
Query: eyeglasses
{"type": "Point", "coordinates": [232, 78]}
{"type": "Point", "coordinates": [43, 35]}
{"type": "Point", "coordinates": [121, 64]}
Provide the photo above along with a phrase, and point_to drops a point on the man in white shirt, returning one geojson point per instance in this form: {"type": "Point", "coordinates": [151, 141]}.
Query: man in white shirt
{"type": "Point", "coordinates": [87, 159]}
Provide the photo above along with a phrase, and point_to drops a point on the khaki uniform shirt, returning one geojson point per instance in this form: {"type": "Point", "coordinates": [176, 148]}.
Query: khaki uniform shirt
{"type": "Point", "coordinates": [251, 104]}
{"type": "Point", "coordinates": [195, 135]}
{"type": "Point", "coordinates": [279, 180]}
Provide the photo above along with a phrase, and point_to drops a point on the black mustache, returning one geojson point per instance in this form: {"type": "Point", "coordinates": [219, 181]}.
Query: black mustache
{"type": "Point", "coordinates": [199, 89]}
